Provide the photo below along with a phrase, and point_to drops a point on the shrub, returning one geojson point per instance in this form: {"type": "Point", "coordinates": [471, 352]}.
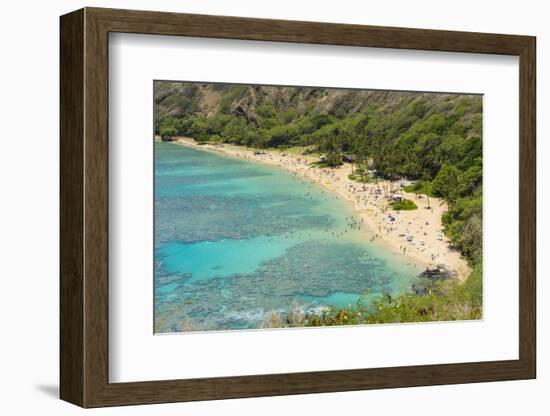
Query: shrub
{"type": "Point", "coordinates": [405, 205]}
{"type": "Point", "coordinates": [167, 133]}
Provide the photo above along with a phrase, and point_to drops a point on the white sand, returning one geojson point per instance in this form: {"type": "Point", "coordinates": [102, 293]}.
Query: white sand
{"type": "Point", "coordinates": [429, 246]}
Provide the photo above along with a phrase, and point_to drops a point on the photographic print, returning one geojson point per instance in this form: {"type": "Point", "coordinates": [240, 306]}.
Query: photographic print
{"type": "Point", "coordinates": [294, 206]}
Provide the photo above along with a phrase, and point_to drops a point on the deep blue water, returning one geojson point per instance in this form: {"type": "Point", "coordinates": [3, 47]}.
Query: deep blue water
{"type": "Point", "coordinates": [236, 240]}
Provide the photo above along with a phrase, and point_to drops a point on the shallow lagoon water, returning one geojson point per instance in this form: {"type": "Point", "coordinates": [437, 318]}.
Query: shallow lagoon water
{"type": "Point", "coordinates": [236, 240]}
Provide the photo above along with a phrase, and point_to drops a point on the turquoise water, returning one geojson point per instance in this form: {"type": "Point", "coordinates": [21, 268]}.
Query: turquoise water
{"type": "Point", "coordinates": [236, 240]}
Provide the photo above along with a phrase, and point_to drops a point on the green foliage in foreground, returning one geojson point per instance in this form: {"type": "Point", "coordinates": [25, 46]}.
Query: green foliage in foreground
{"type": "Point", "coordinates": [443, 301]}
{"type": "Point", "coordinates": [405, 205]}
{"type": "Point", "coordinates": [447, 301]}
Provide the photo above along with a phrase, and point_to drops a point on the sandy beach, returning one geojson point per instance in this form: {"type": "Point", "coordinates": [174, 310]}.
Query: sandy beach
{"type": "Point", "coordinates": [417, 234]}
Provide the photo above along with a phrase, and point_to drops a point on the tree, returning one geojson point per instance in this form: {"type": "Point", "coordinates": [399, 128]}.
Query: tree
{"type": "Point", "coordinates": [167, 128]}
{"type": "Point", "coordinates": [236, 130]}
{"type": "Point", "coordinates": [167, 133]}
{"type": "Point", "coordinates": [279, 136]}
{"type": "Point", "coordinates": [199, 129]}
{"type": "Point", "coordinates": [472, 238]}
{"type": "Point", "coordinates": [334, 159]}
{"type": "Point", "coordinates": [446, 184]}
{"type": "Point", "coordinates": [470, 180]}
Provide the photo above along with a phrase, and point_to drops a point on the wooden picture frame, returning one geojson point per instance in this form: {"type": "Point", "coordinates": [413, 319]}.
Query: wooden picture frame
{"type": "Point", "coordinates": [84, 207]}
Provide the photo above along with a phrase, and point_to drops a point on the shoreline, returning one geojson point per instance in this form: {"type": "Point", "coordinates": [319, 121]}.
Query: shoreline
{"type": "Point", "coordinates": [429, 246]}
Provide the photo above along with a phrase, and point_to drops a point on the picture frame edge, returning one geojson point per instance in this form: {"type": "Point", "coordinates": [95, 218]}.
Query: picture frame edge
{"type": "Point", "coordinates": [84, 215]}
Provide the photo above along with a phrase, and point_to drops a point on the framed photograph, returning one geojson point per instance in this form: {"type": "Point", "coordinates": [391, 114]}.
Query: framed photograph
{"type": "Point", "coordinates": [257, 207]}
